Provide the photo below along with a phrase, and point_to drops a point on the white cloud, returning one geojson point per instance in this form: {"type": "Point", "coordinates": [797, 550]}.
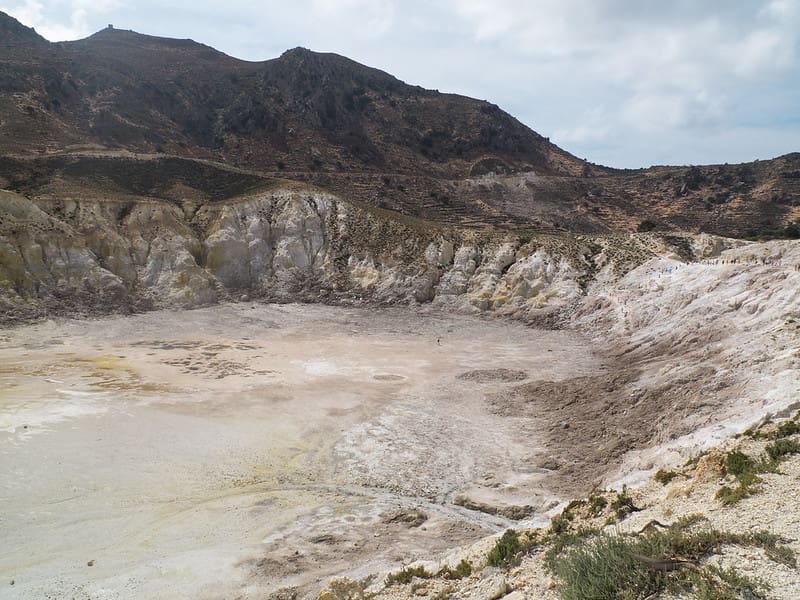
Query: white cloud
{"type": "Point", "coordinates": [765, 50]}
{"type": "Point", "coordinates": [28, 12]}
{"type": "Point", "coordinates": [782, 10]}
{"type": "Point", "coordinates": [59, 20]}
{"type": "Point", "coordinates": [594, 126]}
{"type": "Point", "coordinates": [664, 111]}
{"type": "Point", "coordinates": [635, 45]}
{"type": "Point", "coordinates": [657, 68]}
{"type": "Point", "coordinates": [373, 18]}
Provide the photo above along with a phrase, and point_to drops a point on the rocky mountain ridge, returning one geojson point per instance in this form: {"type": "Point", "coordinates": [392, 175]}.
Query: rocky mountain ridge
{"type": "Point", "coordinates": [302, 111]}
{"type": "Point", "coordinates": [109, 102]}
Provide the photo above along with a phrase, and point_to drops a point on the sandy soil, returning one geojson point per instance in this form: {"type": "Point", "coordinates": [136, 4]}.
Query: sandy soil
{"type": "Point", "coordinates": [235, 450]}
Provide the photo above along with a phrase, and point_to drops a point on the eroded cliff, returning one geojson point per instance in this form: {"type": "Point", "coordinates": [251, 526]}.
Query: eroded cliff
{"type": "Point", "coordinates": [71, 255]}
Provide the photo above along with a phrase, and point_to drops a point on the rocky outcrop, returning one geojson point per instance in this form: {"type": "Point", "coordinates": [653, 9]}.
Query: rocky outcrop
{"type": "Point", "coordinates": [72, 255]}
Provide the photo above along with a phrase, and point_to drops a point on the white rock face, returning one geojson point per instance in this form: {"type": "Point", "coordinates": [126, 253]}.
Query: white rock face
{"type": "Point", "coordinates": [285, 244]}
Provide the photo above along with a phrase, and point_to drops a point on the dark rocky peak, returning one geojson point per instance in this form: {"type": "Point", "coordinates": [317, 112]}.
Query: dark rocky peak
{"type": "Point", "coordinates": [303, 68]}
{"type": "Point", "coordinates": [129, 46]}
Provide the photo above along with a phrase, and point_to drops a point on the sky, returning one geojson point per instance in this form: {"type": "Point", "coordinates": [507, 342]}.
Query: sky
{"type": "Point", "coordinates": [623, 83]}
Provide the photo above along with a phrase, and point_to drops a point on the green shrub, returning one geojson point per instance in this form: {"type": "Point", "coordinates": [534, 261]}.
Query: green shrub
{"type": "Point", "coordinates": [645, 226]}
{"type": "Point", "coordinates": [560, 543]}
{"type": "Point", "coordinates": [506, 551]}
{"type": "Point", "coordinates": [786, 429]}
{"type": "Point", "coordinates": [462, 570]}
{"type": "Point", "coordinates": [781, 448]}
{"type": "Point", "coordinates": [567, 512]}
{"type": "Point", "coordinates": [664, 476]}
{"type": "Point", "coordinates": [342, 588]}
{"type": "Point", "coordinates": [737, 463]}
{"type": "Point", "coordinates": [559, 524]}
{"type": "Point", "coordinates": [623, 504]}
{"type": "Point", "coordinates": [746, 482]}
{"type": "Point", "coordinates": [728, 495]}
{"type": "Point", "coordinates": [604, 568]}
{"type": "Point", "coordinates": [746, 469]}
{"type": "Point", "coordinates": [768, 542]}
{"type": "Point", "coordinates": [749, 478]}
{"type": "Point", "coordinates": [688, 521]}
{"type": "Point", "coordinates": [406, 574]}
{"type": "Point", "coordinates": [597, 504]}
{"type": "Point", "coordinates": [717, 583]}
{"type": "Point", "coordinates": [623, 567]}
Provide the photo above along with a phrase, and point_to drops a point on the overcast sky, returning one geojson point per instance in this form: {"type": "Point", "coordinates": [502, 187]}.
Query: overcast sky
{"type": "Point", "coordinates": [625, 83]}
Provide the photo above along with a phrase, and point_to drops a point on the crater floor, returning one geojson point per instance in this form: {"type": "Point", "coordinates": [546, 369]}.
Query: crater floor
{"type": "Point", "coordinates": [244, 448]}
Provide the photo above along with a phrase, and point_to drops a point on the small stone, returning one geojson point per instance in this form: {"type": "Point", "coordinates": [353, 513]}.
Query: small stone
{"type": "Point", "coordinates": [499, 590]}
{"type": "Point", "coordinates": [488, 572]}
{"type": "Point", "coordinates": [90, 563]}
